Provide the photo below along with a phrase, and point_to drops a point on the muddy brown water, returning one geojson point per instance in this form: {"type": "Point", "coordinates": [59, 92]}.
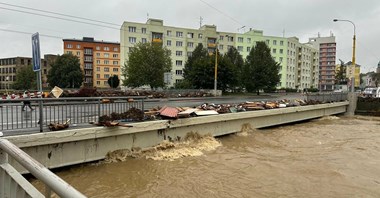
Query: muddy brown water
{"type": "Point", "coordinates": [327, 157]}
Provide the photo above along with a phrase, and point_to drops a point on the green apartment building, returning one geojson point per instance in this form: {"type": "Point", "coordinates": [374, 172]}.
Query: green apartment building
{"type": "Point", "coordinates": [299, 62]}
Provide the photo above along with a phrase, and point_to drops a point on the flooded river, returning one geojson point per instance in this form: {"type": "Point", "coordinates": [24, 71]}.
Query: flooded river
{"type": "Point", "coordinates": [328, 157]}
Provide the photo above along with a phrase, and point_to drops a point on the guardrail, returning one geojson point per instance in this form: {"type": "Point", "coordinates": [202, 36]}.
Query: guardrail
{"type": "Point", "coordinates": [13, 184]}
{"type": "Point", "coordinates": [327, 97]}
{"type": "Point", "coordinates": [79, 110]}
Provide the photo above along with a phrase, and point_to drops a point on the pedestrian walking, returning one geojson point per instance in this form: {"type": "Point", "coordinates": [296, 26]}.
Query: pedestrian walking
{"type": "Point", "coordinates": [26, 103]}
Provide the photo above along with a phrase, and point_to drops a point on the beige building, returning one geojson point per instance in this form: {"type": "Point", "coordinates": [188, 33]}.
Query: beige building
{"type": "Point", "coordinates": [99, 60]}
{"type": "Point", "coordinates": [299, 62]}
{"type": "Point", "coordinates": [10, 66]}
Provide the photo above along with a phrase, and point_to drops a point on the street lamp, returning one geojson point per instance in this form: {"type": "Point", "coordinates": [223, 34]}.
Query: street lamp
{"type": "Point", "coordinates": [353, 50]}
{"type": "Point", "coordinates": [216, 69]}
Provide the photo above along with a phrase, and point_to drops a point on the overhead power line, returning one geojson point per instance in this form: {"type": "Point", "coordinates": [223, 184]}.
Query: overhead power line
{"type": "Point", "coordinates": [60, 18]}
{"type": "Point", "coordinates": [60, 14]}
{"type": "Point", "coordinates": [221, 12]}
{"type": "Point", "coordinates": [29, 33]}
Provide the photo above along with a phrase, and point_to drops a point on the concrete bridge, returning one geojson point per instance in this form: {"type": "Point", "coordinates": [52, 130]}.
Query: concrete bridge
{"type": "Point", "coordinates": [70, 147]}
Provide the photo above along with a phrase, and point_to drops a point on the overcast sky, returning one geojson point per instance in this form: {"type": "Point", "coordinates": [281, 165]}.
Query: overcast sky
{"type": "Point", "coordinates": [300, 18]}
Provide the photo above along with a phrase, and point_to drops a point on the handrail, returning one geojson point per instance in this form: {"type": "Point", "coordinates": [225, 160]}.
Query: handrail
{"type": "Point", "coordinates": [54, 182]}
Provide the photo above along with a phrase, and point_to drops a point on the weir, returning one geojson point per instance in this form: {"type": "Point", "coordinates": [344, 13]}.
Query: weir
{"type": "Point", "coordinates": [70, 147]}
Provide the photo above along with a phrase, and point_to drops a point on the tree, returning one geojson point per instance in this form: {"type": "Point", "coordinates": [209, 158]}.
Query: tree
{"type": "Point", "coordinates": [26, 78]}
{"type": "Point", "coordinates": [261, 71]}
{"type": "Point", "coordinates": [113, 81]}
{"type": "Point", "coordinates": [65, 72]}
{"type": "Point", "coordinates": [199, 69]}
{"type": "Point", "coordinates": [146, 65]}
{"type": "Point", "coordinates": [376, 78]}
{"type": "Point", "coordinates": [340, 77]}
{"type": "Point", "coordinates": [235, 71]}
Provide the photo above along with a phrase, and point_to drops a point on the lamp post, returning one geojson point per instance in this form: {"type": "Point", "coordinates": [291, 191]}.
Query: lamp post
{"type": "Point", "coordinates": [353, 52]}
{"type": "Point", "coordinates": [216, 69]}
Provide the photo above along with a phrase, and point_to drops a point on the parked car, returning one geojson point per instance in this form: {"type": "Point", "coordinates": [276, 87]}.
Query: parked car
{"type": "Point", "coordinates": [370, 92]}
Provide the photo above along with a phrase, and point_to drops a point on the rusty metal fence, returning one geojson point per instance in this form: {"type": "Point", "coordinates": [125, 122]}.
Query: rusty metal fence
{"type": "Point", "coordinates": [78, 110]}
{"type": "Point", "coordinates": [327, 97]}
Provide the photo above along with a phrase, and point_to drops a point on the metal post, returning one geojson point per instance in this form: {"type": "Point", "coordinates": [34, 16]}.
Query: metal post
{"type": "Point", "coordinates": [353, 84]}
{"type": "Point", "coordinates": [40, 103]}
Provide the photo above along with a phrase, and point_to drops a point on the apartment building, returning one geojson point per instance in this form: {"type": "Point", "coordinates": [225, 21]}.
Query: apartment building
{"type": "Point", "coordinates": [327, 61]}
{"type": "Point", "coordinates": [10, 66]}
{"type": "Point", "coordinates": [99, 60]}
{"type": "Point", "coordinates": [298, 61]}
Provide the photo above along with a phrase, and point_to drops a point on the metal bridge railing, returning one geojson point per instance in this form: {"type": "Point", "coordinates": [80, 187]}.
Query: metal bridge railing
{"type": "Point", "coordinates": [327, 97]}
{"type": "Point", "coordinates": [13, 184]}
{"type": "Point", "coordinates": [80, 110]}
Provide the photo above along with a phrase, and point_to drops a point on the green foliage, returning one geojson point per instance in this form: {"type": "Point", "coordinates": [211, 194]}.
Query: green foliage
{"type": "Point", "coordinates": [340, 77]}
{"type": "Point", "coordinates": [183, 84]}
{"type": "Point", "coordinates": [26, 78]}
{"type": "Point", "coordinates": [65, 72]}
{"type": "Point", "coordinates": [146, 65]}
{"type": "Point", "coordinates": [376, 78]}
{"type": "Point", "coordinates": [260, 70]}
{"type": "Point", "coordinates": [113, 81]}
{"type": "Point", "coordinates": [199, 71]}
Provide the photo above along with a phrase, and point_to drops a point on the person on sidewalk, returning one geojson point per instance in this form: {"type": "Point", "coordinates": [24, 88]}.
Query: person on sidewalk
{"type": "Point", "coordinates": [26, 103]}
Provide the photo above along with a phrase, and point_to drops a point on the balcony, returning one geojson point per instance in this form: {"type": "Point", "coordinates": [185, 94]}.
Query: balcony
{"type": "Point", "coordinates": [211, 45]}
{"type": "Point", "coordinates": [157, 40]}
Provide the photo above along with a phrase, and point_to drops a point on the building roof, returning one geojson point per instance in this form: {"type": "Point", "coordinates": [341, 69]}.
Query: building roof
{"type": "Point", "coordinates": [91, 40]}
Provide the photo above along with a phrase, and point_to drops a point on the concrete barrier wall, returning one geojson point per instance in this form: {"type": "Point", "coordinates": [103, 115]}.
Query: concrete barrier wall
{"type": "Point", "coordinates": [70, 147]}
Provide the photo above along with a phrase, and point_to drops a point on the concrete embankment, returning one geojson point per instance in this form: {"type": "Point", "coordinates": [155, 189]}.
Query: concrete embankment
{"type": "Point", "coordinates": [70, 147]}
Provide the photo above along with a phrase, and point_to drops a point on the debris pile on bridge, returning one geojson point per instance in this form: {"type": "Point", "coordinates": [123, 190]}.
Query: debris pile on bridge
{"type": "Point", "coordinates": [58, 126]}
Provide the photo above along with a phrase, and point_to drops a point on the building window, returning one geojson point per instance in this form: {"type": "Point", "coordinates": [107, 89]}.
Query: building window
{"type": "Point", "coordinates": [78, 46]}
{"type": "Point", "coordinates": [97, 54]}
{"type": "Point", "coordinates": [178, 43]}
{"type": "Point", "coordinates": [200, 35]}
{"type": "Point", "coordinates": [281, 59]}
{"type": "Point", "coordinates": [190, 44]}
{"type": "Point", "coordinates": [248, 49]}
{"type": "Point", "coordinates": [97, 48]}
{"type": "Point", "coordinates": [143, 30]}
{"type": "Point", "coordinates": [281, 43]}
{"type": "Point", "coordinates": [106, 69]}
{"type": "Point", "coordinates": [274, 42]}
{"type": "Point", "coordinates": [78, 53]}
{"type": "Point", "coordinates": [267, 41]}
{"type": "Point", "coordinates": [231, 39]}
{"type": "Point", "coordinates": [106, 49]}
{"type": "Point", "coordinates": [169, 33]}
{"type": "Point", "coordinates": [190, 35]}
{"type": "Point", "coordinates": [240, 39]}
{"type": "Point", "coordinates": [274, 50]}
{"type": "Point", "coordinates": [69, 46]}
{"type": "Point", "coordinates": [88, 65]}
{"type": "Point", "coordinates": [115, 55]}
{"type": "Point", "coordinates": [98, 82]}
{"type": "Point", "coordinates": [97, 68]}
{"type": "Point", "coordinates": [132, 39]}
{"type": "Point", "coordinates": [88, 58]}
{"type": "Point", "coordinates": [178, 62]}
{"type": "Point", "coordinates": [106, 76]}
{"type": "Point", "coordinates": [115, 69]}
{"type": "Point", "coordinates": [131, 29]}
{"type": "Point", "coordinates": [179, 34]}
{"type": "Point", "coordinates": [143, 40]}
{"type": "Point", "coordinates": [178, 72]}
{"type": "Point", "coordinates": [220, 47]}
{"type": "Point", "coordinates": [221, 37]}
{"type": "Point", "coordinates": [249, 40]}
{"type": "Point", "coordinates": [115, 62]}
{"type": "Point", "coordinates": [189, 54]}
{"type": "Point", "coordinates": [97, 75]}
{"type": "Point", "coordinates": [169, 43]}
{"type": "Point", "coordinates": [115, 49]}
{"type": "Point", "coordinates": [106, 62]}
{"type": "Point", "coordinates": [178, 53]}
{"type": "Point", "coordinates": [240, 48]}
{"type": "Point", "coordinates": [106, 55]}
{"type": "Point", "coordinates": [97, 61]}
{"type": "Point", "coordinates": [281, 51]}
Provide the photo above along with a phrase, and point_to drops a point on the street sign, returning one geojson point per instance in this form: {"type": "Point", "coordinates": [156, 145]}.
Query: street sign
{"type": "Point", "coordinates": [36, 52]}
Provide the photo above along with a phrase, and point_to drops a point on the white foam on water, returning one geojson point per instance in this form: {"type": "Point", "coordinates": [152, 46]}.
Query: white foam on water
{"type": "Point", "coordinates": [329, 118]}
{"type": "Point", "coordinates": [193, 145]}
